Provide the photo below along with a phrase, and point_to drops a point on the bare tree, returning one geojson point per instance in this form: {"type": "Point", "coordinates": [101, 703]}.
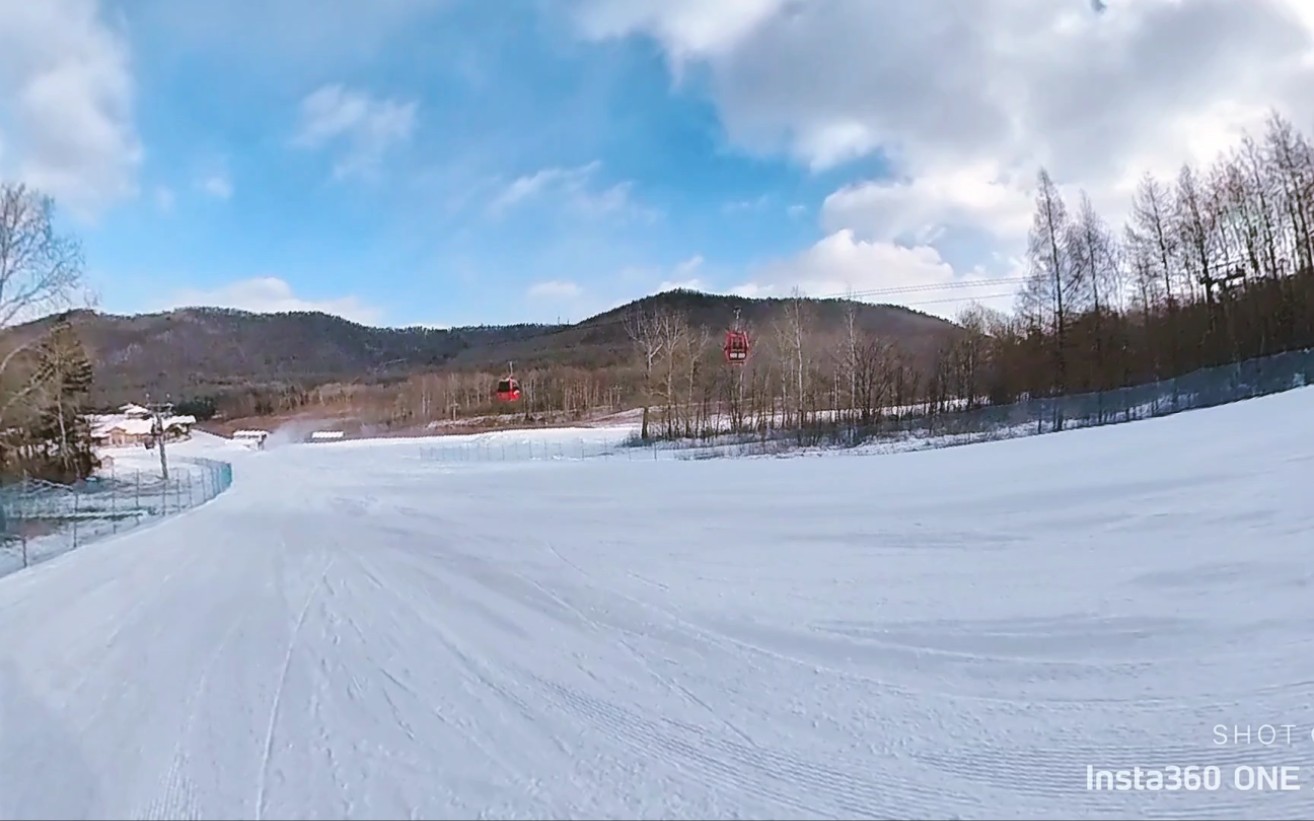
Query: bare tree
{"type": "Point", "coordinates": [1291, 163]}
{"type": "Point", "coordinates": [1047, 293]}
{"type": "Point", "coordinates": [673, 335]}
{"type": "Point", "coordinates": [793, 337]}
{"type": "Point", "coordinates": [1094, 275]}
{"type": "Point", "coordinates": [850, 345]}
{"type": "Point", "coordinates": [698, 340]}
{"type": "Point", "coordinates": [1152, 217]}
{"type": "Point", "coordinates": [40, 270]}
{"type": "Point", "coordinates": [968, 354]}
{"type": "Point", "coordinates": [646, 331]}
{"type": "Point", "coordinates": [1196, 230]}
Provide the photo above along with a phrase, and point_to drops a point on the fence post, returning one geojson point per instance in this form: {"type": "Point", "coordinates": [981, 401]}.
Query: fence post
{"type": "Point", "coordinates": [77, 498]}
{"type": "Point", "coordinates": [114, 504]}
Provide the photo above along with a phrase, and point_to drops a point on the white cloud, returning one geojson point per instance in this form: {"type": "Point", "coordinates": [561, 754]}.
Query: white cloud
{"type": "Point", "coordinates": [974, 80]}
{"type": "Point", "coordinates": [920, 209]}
{"type": "Point", "coordinates": [272, 295]}
{"type": "Point", "coordinates": [555, 289]}
{"type": "Point", "coordinates": [219, 186]}
{"type": "Point", "coordinates": [965, 99]}
{"type": "Point", "coordinates": [532, 185]}
{"type": "Point", "coordinates": [364, 127]}
{"type": "Point", "coordinates": [874, 271]}
{"type": "Point", "coordinates": [573, 187]}
{"type": "Point", "coordinates": [686, 28]}
{"type": "Point", "coordinates": [66, 103]}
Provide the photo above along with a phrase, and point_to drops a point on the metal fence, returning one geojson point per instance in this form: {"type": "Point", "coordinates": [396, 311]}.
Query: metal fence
{"type": "Point", "coordinates": [496, 449]}
{"type": "Point", "coordinates": [1203, 388]}
{"type": "Point", "coordinates": [40, 520]}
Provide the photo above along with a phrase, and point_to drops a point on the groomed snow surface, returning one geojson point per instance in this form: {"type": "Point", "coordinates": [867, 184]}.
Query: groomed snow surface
{"type": "Point", "coordinates": [355, 631]}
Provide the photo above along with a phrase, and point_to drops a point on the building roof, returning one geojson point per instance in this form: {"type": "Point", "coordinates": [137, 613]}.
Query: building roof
{"type": "Point", "coordinates": [128, 425]}
{"type": "Point", "coordinates": [103, 424]}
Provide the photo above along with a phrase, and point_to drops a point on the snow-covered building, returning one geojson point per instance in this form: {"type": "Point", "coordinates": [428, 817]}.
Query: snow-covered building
{"type": "Point", "coordinates": [120, 431]}
{"type": "Point", "coordinates": [251, 438]}
{"type": "Point", "coordinates": [132, 426]}
{"type": "Point", "coordinates": [179, 427]}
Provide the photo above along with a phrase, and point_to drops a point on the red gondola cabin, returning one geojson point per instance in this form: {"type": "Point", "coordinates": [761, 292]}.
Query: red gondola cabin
{"type": "Point", "coordinates": [736, 347]}
{"type": "Point", "coordinates": [508, 389]}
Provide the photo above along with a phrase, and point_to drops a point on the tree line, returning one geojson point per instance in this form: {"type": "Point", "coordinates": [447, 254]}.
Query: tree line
{"type": "Point", "coordinates": [1211, 267]}
{"type": "Point", "coordinates": [1214, 266]}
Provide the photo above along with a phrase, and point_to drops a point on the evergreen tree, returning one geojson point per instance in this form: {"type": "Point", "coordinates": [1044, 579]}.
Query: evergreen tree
{"type": "Point", "coordinates": [65, 375]}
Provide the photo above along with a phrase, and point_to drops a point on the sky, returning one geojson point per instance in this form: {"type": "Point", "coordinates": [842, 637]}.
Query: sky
{"type": "Point", "coordinates": [463, 162]}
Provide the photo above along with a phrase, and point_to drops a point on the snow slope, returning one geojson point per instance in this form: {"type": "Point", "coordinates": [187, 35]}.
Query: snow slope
{"type": "Point", "coordinates": [354, 631]}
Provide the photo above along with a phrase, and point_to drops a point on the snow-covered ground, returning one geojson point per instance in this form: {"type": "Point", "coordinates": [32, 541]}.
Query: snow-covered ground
{"type": "Point", "coordinates": [355, 631]}
{"type": "Point", "coordinates": [199, 445]}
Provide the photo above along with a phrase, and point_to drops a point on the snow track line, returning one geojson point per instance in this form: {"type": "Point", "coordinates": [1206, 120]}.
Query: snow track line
{"type": "Point", "coordinates": [739, 768]}
{"type": "Point", "coordinates": [178, 799]}
{"type": "Point", "coordinates": [665, 681]}
{"type": "Point", "coordinates": [139, 603]}
{"type": "Point", "coordinates": [471, 671]}
{"type": "Point", "coordinates": [282, 683]}
{"type": "Point", "coordinates": [718, 638]}
{"type": "Point", "coordinates": [732, 769]}
{"type": "Point", "coordinates": [614, 632]}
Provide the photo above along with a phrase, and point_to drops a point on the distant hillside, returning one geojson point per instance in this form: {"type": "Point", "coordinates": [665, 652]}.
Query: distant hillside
{"type": "Point", "coordinates": [216, 352]}
{"type": "Point", "coordinates": [602, 339]}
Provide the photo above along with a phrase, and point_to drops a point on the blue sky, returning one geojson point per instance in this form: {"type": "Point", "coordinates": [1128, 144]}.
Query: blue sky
{"type": "Point", "coordinates": [451, 162]}
{"type": "Point", "coordinates": [626, 182]}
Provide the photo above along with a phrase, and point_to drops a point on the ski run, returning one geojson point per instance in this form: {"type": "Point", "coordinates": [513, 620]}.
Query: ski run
{"type": "Point", "coordinates": [354, 631]}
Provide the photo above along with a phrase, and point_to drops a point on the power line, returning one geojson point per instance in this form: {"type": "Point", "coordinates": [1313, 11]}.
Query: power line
{"type": "Point", "coordinates": [930, 286]}
{"type": "Point", "coordinates": [961, 298]}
